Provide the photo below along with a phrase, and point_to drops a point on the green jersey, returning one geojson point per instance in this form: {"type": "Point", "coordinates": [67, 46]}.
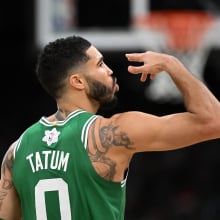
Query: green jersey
{"type": "Point", "coordinates": [54, 176]}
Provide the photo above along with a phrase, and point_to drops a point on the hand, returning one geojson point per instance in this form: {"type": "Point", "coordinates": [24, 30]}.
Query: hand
{"type": "Point", "coordinates": [153, 63]}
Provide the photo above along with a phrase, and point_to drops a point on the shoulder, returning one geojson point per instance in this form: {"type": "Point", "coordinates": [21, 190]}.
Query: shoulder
{"type": "Point", "coordinates": [7, 163]}
{"type": "Point", "coordinates": [120, 129]}
{"type": "Point", "coordinates": [127, 119]}
{"type": "Point", "coordinates": [10, 204]}
{"type": "Point", "coordinates": [9, 155]}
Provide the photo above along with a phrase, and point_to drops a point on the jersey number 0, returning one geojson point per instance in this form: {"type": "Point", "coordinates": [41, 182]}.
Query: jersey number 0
{"type": "Point", "coordinates": [46, 185]}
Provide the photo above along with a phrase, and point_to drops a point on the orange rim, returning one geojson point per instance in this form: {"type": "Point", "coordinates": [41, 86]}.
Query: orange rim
{"type": "Point", "coordinates": [184, 28]}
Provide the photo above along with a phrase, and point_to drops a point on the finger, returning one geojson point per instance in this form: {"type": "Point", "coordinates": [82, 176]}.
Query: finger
{"type": "Point", "coordinates": [136, 57]}
{"type": "Point", "coordinates": [144, 77]}
{"type": "Point", "coordinates": [152, 76]}
{"type": "Point", "coordinates": [133, 69]}
{"type": "Point", "coordinates": [138, 69]}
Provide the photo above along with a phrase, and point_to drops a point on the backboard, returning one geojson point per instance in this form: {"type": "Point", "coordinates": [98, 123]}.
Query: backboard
{"type": "Point", "coordinates": [58, 18]}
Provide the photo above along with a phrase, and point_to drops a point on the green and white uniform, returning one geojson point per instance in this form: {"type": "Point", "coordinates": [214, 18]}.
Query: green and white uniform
{"type": "Point", "coordinates": [54, 176]}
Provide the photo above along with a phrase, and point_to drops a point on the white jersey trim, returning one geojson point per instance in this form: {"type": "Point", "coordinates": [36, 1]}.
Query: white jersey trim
{"type": "Point", "coordinates": [17, 145]}
{"type": "Point", "coordinates": [85, 130]}
{"type": "Point", "coordinates": [45, 122]}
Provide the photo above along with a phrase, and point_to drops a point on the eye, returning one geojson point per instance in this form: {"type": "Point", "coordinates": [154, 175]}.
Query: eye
{"type": "Point", "coordinates": [101, 64]}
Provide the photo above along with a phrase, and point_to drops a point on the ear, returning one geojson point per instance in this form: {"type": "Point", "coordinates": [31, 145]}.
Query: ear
{"type": "Point", "coordinates": [77, 81]}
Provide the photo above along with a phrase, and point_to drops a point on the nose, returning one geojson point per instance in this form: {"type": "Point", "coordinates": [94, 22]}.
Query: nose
{"type": "Point", "coordinates": [110, 72]}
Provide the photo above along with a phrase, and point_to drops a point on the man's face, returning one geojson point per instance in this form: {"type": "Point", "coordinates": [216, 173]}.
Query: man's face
{"type": "Point", "coordinates": [102, 86]}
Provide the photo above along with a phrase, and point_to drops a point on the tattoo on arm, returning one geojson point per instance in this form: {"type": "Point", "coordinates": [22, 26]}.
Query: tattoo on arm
{"type": "Point", "coordinates": [7, 162]}
{"type": "Point", "coordinates": [108, 137]}
{"type": "Point", "coordinates": [7, 184]}
{"type": "Point", "coordinates": [3, 194]}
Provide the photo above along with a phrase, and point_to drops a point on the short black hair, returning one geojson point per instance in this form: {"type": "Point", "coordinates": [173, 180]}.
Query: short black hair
{"type": "Point", "coordinates": [57, 58]}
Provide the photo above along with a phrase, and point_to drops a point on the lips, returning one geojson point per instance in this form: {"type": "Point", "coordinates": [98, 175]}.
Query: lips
{"type": "Point", "coordinates": [115, 85]}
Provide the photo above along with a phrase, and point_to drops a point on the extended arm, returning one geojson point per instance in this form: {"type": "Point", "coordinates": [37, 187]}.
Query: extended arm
{"type": "Point", "coordinates": [9, 201]}
{"type": "Point", "coordinates": [200, 122]}
{"type": "Point", "coordinates": [114, 140]}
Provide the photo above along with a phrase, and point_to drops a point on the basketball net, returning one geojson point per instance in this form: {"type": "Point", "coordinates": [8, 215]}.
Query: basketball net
{"type": "Point", "coordinates": [185, 39]}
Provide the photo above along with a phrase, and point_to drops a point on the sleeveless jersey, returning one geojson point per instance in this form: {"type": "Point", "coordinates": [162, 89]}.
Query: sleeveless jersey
{"type": "Point", "coordinates": [54, 176]}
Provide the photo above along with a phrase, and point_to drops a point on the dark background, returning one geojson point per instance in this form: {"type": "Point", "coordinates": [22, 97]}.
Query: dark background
{"type": "Point", "coordinates": [175, 185]}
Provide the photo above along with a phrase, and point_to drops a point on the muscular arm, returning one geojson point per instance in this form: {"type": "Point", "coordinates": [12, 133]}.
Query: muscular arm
{"type": "Point", "coordinates": [9, 201]}
{"type": "Point", "coordinates": [147, 132]}
{"type": "Point", "coordinates": [200, 122]}
{"type": "Point", "coordinates": [117, 138]}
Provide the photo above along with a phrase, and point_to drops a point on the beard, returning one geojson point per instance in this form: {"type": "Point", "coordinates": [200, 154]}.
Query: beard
{"type": "Point", "coordinates": [103, 94]}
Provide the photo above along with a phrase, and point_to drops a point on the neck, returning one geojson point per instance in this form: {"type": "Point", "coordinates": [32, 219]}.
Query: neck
{"type": "Point", "coordinates": [59, 116]}
{"type": "Point", "coordinates": [65, 107]}
{"type": "Point", "coordinates": [63, 111]}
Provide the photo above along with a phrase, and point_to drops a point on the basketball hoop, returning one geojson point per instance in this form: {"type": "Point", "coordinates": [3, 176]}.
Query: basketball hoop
{"type": "Point", "coordinates": [184, 29]}
{"type": "Point", "coordinates": [184, 32]}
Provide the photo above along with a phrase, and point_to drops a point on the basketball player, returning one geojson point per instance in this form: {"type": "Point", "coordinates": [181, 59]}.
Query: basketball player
{"type": "Point", "coordinates": [73, 165]}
